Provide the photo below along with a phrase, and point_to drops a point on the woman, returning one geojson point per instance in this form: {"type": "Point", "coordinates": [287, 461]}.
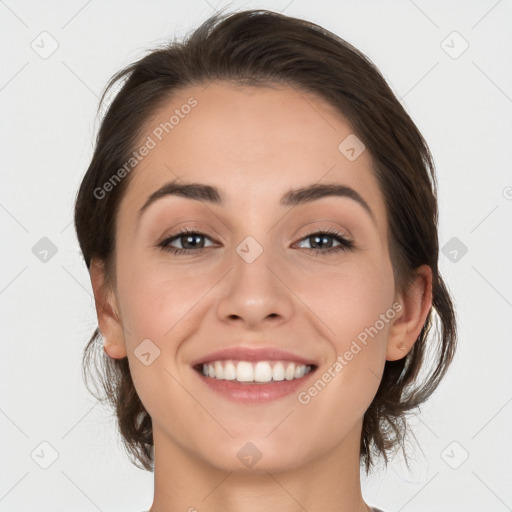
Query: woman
{"type": "Point", "coordinates": [259, 221]}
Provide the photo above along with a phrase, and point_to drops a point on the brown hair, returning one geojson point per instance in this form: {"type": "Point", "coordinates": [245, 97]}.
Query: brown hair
{"type": "Point", "coordinates": [262, 47]}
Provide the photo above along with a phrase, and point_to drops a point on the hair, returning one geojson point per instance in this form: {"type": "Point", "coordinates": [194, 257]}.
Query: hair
{"type": "Point", "coordinates": [261, 47]}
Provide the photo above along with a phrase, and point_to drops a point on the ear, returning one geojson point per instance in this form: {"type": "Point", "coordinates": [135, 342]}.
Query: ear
{"type": "Point", "coordinates": [109, 322]}
{"type": "Point", "coordinates": [416, 303]}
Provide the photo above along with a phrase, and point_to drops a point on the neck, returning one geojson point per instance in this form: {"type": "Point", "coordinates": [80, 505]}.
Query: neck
{"type": "Point", "coordinates": [184, 482]}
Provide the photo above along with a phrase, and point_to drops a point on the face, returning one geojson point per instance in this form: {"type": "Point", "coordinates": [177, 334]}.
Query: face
{"type": "Point", "coordinates": [311, 277]}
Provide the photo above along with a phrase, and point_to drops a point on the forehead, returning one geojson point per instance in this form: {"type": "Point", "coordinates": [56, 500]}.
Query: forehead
{"type": "Point", "coordinates": [252, 142]}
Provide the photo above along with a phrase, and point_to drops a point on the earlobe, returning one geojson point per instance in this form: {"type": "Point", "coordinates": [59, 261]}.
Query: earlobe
{"type": "Point", "coordinates": [109, 322]}
{"type": "Point", "coordinates": [416, 304]}
{"type": "Point", "coordinates": [114, 351]}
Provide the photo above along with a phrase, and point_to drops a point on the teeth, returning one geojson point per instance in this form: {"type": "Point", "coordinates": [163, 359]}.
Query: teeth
{"type": "Point", "coordinates": [261, 371]}
{"type": "Point", "coordinates": [218, 369]}
{"type": "Point", "coordinates": [289, 372]}
{"type": "Point", "coordinates": [244, 372]}
{"type": "Point", "coordinates": [229, 371]}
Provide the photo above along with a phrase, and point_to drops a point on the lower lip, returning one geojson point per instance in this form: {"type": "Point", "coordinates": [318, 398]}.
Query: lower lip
{"type": "Point", "coordinates": [249, 393]}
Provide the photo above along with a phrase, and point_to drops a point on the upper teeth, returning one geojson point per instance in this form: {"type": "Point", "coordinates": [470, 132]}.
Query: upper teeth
{"type": "Point", "coordinates": [261, 371]}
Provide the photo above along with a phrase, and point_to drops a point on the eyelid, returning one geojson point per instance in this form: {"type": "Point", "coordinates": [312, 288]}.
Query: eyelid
{"type": "Point", "coordinates": [326, 225]}
{"type": "Point", "coordinates": [188, 228]}
{"type": "Point", "coordinates": [328, 229]}
{"type": "Point", "coordinates": [182, 231]}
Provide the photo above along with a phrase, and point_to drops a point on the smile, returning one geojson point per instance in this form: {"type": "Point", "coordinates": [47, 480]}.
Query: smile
{"type": "Point", "coordinates": [255, 371]}
{"type": "Point", "coordinates": [252, 382]}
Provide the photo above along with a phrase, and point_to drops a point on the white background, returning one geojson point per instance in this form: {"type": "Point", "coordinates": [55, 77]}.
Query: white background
{"type": "Point", "coordinates": [463, 106]}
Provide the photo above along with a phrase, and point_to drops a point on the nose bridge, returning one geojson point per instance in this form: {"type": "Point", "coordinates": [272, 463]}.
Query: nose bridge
{"type": "Point", "coordinates": [253, 292]}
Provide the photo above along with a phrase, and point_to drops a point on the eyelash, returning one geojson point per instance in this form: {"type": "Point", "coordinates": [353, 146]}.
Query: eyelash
{"type": "Point", "coordinates": [345, 244]}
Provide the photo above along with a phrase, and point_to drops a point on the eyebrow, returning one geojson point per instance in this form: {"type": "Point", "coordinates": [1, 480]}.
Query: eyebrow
{"type": "Point", "coordinates": [212, 195]}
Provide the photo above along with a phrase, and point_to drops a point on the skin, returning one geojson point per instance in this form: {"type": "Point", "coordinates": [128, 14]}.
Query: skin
{"type": "Point", "coordinates": [255, 143]}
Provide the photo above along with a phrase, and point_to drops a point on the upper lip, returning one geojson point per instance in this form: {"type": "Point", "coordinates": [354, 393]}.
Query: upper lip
{"type": "Point", "coordinates": [247, 353]}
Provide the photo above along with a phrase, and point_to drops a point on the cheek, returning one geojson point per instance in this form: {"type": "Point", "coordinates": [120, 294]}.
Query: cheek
{"type": "Point", "coordinates": [154, 300]}
{"type": "Point", "coordinates": [348, 299]}
{"type": "Point", "coordinates": [359, 314]}
{"type": "Point", "coordinates": [164, 307]}
{"type": "Point", "coordinates": [354, 305]}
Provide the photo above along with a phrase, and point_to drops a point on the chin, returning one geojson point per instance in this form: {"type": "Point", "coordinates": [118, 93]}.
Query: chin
{"type": "Point", "coordinates": [256, 457]}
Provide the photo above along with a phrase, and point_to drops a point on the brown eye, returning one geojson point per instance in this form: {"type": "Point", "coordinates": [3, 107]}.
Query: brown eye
{"type": "Point", "coordinates": [190, 241]}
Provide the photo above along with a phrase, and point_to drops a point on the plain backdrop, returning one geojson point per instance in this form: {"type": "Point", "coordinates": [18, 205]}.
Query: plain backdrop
{"type": "Point", "coordinates": [450, 63]}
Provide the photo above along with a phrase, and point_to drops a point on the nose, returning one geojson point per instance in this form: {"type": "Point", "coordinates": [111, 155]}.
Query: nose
{"type": "Point", "coordinates": [255, 293]}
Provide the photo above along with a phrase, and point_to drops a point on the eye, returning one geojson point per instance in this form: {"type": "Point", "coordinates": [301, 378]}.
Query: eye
{"type": "Point", "coordinates": [193, 242]}
{"type": "Point", "coordinates": [321, 241]}
{"type": "Point", "coordinates": [190, 240]}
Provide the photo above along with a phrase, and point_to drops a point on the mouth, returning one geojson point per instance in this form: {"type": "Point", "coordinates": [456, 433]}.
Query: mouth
{"type": "Point", "coordinates": [254, 372]}
{"type": "Point", "coordinates": [254, 382]}
{"type": "Point", "coordinates": [250, 375]}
